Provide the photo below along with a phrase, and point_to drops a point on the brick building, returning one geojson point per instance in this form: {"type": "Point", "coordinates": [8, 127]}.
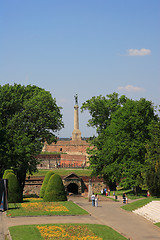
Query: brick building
{"type": "Point", "coordinates": [72, 152]}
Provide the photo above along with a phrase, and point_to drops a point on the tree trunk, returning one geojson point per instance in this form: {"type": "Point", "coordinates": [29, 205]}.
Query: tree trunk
{"type": "Point", "coordinates": [21, 176]}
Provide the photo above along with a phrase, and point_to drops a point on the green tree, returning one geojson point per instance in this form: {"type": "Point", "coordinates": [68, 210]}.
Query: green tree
{"type": "Point", "coordinates": [55, 191]}
{"type": "Point", "coordinates": [119, 152]}
{"type": "Point", "coordinates": [152, 161]}
{"type": "Point", "coordinates": [101, 108]}
{"type": "Point", "coordinates": [45, 183]}
{"type": "Point", "coordinates": [14, 191]}
{"type": "Point", "coordinates": [2, 146]}
{"type": "Point", "coordinates": [29, 116]}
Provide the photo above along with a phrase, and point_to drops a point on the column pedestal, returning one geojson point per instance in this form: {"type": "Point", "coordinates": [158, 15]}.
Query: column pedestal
{"type": "Point", "coordinates": [76, 134]}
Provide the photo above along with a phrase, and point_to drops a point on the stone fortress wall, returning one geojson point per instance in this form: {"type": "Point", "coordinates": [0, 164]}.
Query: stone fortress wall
{"type": "Point", "coordinates": [77, 147]}
{"type": "Point", "coordinates": [73, 155]}
{"type": "Point", "coordinates": [33, 184]}
{"type": "Point", "coordinates": [49, 161]}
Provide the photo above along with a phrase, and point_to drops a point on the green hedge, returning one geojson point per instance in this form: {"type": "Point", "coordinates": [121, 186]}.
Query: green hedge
{"type": "Point", "coordinates": [6, 172]}
{"type": "Point", "coordinates": [55, 191]}
{"type": "Point", "coordinates": [45, 182]}
{"type": "Point", "coordinates": [14, 191]}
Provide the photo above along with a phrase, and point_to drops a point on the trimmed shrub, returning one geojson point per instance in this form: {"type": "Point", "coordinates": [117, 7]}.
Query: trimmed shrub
{"type": "Point", "coordinates": [6, 172]}
{"type": "Point", "coordinates": [14, 191]}
{"type": "Point", "coordinates": [45, 182]}
{"type": "Point", "coordinates": [55, 191]}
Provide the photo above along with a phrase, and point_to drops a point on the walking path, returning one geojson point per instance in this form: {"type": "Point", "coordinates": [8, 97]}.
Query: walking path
{"type": "Point", "coordinates": [128, 224]}
{"type": "Point", "coordinates": [108, 212]}
{"type": "Point", "coordinates": [2, 224]}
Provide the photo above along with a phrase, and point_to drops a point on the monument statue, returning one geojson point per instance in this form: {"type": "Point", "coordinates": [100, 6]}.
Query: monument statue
{"type": "Point", "coordinates": [76, 99]}
{"type": "Point", "coordinates": [76, 134]}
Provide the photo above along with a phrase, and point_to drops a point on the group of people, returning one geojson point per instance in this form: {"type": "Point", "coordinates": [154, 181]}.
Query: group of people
{"type": "Point", "coordinates": [105, 192]}
{"type": "Point", "coordinates": [94, 199]}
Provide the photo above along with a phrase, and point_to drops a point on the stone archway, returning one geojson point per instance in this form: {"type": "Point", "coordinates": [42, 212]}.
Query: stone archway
{"type": "Point", "coordinates": [72, 188]}
{"type": "Point", "coordinates": [73, 184]}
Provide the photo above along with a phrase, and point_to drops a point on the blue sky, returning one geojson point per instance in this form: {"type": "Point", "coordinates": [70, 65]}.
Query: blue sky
{"type": "Point", "coordinates": [88, 47]}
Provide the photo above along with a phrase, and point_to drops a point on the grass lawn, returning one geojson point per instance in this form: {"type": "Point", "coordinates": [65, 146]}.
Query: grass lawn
{"type": "Point", "coordinates": [36, 207]}
{"type": "Point", "coordinates": [158, 224]}
{"type": "Point", "coordinates": [64, 172]}
{"type": "Point", "coordinates": [130, 194]}
{"type": "Point", "coordinates": [113, 199]}
{"type": "Point", "coordinates": [64, 231]}
{"type": "Point", "coordinates": [139, 203]}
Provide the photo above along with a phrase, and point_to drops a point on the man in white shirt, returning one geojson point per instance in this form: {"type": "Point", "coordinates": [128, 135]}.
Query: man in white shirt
{"type": "Point", "coordinates": [93, 199]}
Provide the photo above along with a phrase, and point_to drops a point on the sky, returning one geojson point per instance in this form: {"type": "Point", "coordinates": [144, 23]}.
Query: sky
{"type": "Point", "coordinates": [85, 47]}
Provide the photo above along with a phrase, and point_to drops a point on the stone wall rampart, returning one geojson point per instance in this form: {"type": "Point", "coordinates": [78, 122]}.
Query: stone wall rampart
{"type": "Point", "coordinates": [49, 161]}
{"type": "Point", "coordinates": [72, 146]}
{"type": "Point", "coordinates": [33, 185]}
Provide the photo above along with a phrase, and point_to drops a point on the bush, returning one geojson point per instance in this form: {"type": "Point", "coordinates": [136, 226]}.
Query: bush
{"type": "Point", "coordinates": [55, 191]}
{"type": "Point", "coordinates": [45, 182]}
{"type": "Point", "coordinates": [6, 172]}
{"type": "Point", "coordinates": [14, 191]}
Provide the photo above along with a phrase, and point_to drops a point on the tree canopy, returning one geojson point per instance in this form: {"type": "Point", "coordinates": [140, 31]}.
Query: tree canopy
{"type": "Point", "coordinates": [152, 161]}
{"type": "Point", "coordinates": [120, 148]}
{"type": "Point", "coordinates": [29, 116]}
{"type": "Point", "coordinates": [101, 108]}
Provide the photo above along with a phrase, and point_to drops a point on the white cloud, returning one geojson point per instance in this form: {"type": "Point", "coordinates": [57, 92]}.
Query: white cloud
{"type": "Point", "coordinates": [137, 52]}
{"type": "Point", "coordinates": [62, 100]}
{"type": "Point", "coordinates": [130, 88]}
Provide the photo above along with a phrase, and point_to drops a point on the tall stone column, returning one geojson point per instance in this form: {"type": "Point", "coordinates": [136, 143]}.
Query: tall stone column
{"type": "Point", "coordinates": [76, 134]}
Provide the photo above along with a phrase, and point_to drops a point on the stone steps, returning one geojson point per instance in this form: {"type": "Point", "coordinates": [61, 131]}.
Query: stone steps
{"type": "Point", "coordinates": [151, 211]}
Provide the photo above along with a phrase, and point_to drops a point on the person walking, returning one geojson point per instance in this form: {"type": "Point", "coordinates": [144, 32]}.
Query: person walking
{"type": "Point", "coordinates": [96, 200]}
{"type": "Point", "coordinates": [93, 199]}
{"type": "Point", "coordinates": [109, 192]}
{"type": "Point", "coordinates": [124, 198]}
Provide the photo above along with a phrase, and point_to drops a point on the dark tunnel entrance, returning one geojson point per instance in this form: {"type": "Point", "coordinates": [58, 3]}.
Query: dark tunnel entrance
{"type": "Point", "coordinates": [72, 188]}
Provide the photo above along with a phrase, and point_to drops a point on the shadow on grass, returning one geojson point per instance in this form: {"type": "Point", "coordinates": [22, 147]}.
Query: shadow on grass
{"type": "Point", "coordinates": [13, 208]}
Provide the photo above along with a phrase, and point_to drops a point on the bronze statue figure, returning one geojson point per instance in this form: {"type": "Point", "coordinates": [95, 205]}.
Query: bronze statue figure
{"type": "Point", "coordinates": [76, 99]}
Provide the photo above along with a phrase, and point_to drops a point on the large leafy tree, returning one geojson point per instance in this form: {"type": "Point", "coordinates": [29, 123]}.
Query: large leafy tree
{"type": "Point", "coordinates": [119, 152]}
{"type": "Point", "coordinates": [152, 166]}
{"type": "Point", "coordinates": [29, 116]}
{"type": "Point", "coordinates": [101, 108]}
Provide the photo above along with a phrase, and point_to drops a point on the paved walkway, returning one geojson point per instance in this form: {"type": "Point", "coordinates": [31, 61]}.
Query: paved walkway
{"type": "Point", "coordinates": [2, 224]}
{"type": "Point", "coordinates": [128, 224]}
{"type": "Point", "coordinates": [108, 212]}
